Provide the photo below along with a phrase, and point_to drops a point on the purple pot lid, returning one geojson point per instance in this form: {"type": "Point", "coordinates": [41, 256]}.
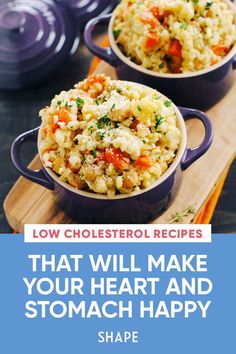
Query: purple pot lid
{"type": "Point", "coordinates": [35, 37]}
{"type": "Point", "coordinates": [85, 10]}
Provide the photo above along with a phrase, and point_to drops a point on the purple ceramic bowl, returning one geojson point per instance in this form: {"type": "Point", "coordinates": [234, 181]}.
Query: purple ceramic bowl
{"type": "Point", "coordinates": [200, 89]}
{"type": "Point", "coordinates": [136, 207]}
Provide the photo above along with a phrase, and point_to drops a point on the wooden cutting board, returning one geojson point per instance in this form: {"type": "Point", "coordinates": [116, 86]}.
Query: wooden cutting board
{"type": "Point", "coordinates": [29, 203]}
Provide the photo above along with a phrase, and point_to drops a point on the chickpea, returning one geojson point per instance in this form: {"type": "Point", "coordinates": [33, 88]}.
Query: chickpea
{"type": "Point", "coordinates": [76, 181]}
{"type": "Point", "coordinates": [130, 179]}
{"type": "Point", "coordinates": [90, 174]}
{"type": "Point", "coordinates": [57, 164]}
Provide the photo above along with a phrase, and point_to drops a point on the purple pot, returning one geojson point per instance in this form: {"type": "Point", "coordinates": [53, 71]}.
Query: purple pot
{"type": "Point", "coordinates": [136, 207]}
{"type": "Point", "coordinates": [85, 10]}
{"type": "Point", "coordinates": [37, 36]}
{"type": "Point", "coordinates": [201, 89]}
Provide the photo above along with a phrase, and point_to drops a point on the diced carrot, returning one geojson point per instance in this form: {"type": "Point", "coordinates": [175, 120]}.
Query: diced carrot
{"type": "Point", "coordinates": [175, 56]}
{"type": "Point", "coordinates": [144, 162]}
{"type": "Point", "coordinates": [63, 115]}
{"type": "Point", "coordinates": [197, 64]}
{"type": "Point", "coordinates": [214, 61]}
{"type": "Point", "coordinates": [175, 48]}
{"type": "Point", "coordinates": [156, 12]}
{"type": "Point", "coordinates": [148, 18]}
{"type": "Point", "coordinates": [152, 40]}
{"type": "Point", "coordinates": [93, 79]}
{"type": "Point", "coordinates": [166, 13]}
{"type": "Point", "coordinates": [72, 98]}
{"type": "Point", "coordinates": [54, 126]}
{"type": "Point", "coordinates": [115, 157]}
{"type": "Point", "coordinates": [75, 170]}
{"type": "Point", "coordinates": [220, 50]}
{"type": "Point", "coordinates": [176, 64]}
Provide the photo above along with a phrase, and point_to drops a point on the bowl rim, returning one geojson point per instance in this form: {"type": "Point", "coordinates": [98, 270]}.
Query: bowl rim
{"type": "Point", "coordinates": [143, 70]}
{"type": "Point", "coordinates": [174, 165]}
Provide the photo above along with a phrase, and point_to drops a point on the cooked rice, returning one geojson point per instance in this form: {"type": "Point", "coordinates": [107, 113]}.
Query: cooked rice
{"type": "Point", "coordinates": [175, 36]}
{"type": "Point", "coordinates": [109, 137]}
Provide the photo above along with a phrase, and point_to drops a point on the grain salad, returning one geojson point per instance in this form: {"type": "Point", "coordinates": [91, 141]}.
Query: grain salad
{"type": "Point", "coordinates": [175, 36]}
{"type": "Point", "coordinates": [109, 137]}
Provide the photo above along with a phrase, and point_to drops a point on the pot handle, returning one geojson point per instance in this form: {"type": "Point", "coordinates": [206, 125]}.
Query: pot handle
{"type": "Point", "coordinates": [36, 176]}
{"type": "Point", "coordinates": [192, 154]}
{"type": "Point", "coordinates": [234, 63]}
{"type": "Point", "coordinates": [104, 53]}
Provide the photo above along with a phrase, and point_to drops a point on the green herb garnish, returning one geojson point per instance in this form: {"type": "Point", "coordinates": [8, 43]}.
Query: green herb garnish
{"type": "Point", "coordinates": [103, 120]}
{"type": "Point", "coordinates": [161, 66]}
{"type": "Point", "coordinates": [118, 90]}
{"type": "Point", "coordinates": [101, 134]}
{"type": "Point", "coordinates": [94, 152]}
{"type": "Point", "coordinates": [116, 33]}
{"type": "Point", "coordinates": [59, 103]}
{"type": "Point", "coordinates": [80, 102]}
{"type": "Point", "coordinates": [139, 108]}
{"type": "Point", "coordinates": [195, 2]}
{"type": "Point", "coordinates": [159, 120]}
{"type": "Point", "coordinates": [113, 106]}
{"type": "Point", "coordinates": [168, 103]}
{"type": "Point", "coordinates": [183, 26]}
{"type": "Point", "coordinates": [179, 216]}
{"type": "Point", "coordinates": [90, 129]}
{"type": "Point", "coordinates": [208, 5]}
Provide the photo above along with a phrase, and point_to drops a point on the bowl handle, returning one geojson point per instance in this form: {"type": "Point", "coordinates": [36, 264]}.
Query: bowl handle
{"type": "Point", "coordinates": [104, 53]}
{"type": "Point", "coordinates": [234, 63]}
{"type": "Point", "coordinates": [37, 176]}
{"type": "Point", "coordinates": [192, 154]}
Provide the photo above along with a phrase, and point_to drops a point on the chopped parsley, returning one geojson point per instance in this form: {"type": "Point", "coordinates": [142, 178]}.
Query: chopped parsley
{"type": "Point", "coordinates": [161, 66]}
{"type": "Point", "coordinates": [80, 102]}
{"type": "Point", "coordinates": [90, 129]}
{"type": "Point", "coordinates": [59, 103]}
{"type": "Point", "coordinates": [113, 106]}
{"type": "Point", "coordinates": [139, 108]}
{"type": "Point", "coordinates": [100, 99]}
{"type": "Point", "coordinates": [159, 120]}
{"type": "Point", "coordinates": [118, 90]}
{"type": "Point", "coordinates": [168, 103]}
{"type": "Point", "coordinates": [68, 105]}
{"type": "Point", "coordinates": [94, 152]}
{"type": "Point", "coordinates": [101, 134]}
{"type": "Point", "coordinates": [208, 5]}
{"type": "Point", "coordinates": [195, 2]}
{"type": "Point", "coordinates": [183, 26]}
{"type": "Point", "coordinates": [103, 120]}
{"type": "Point", "coordinates": [116, 33]}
